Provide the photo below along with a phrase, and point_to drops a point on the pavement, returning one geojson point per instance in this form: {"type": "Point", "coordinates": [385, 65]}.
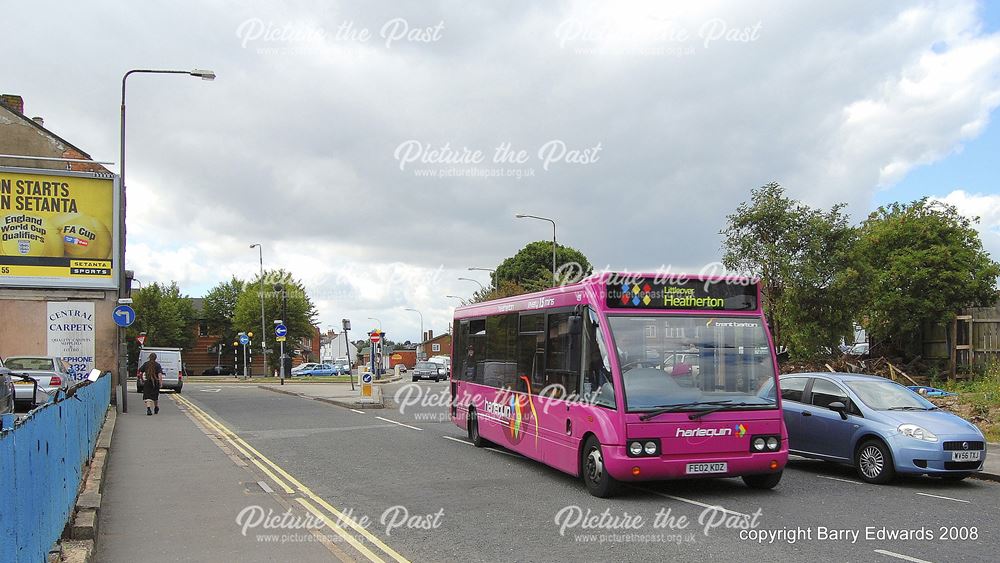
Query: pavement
{"type": "Point", "coordinates": [172, 494]}
{"type": "Point", "coordinates": [991, 469]}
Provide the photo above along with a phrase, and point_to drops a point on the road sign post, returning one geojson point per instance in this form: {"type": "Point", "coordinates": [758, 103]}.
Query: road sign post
{"type": "Point", "coordinates": [280, 333]}
{"type": "Point", "coordinates": [244, 341]}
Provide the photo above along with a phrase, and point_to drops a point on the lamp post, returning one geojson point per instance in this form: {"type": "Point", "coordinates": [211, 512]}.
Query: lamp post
{"type": "Point", "coordinates": [263, 327]}
{"type": "Point", "coordinates": [523, 216]}
{"type": "Point", "coordinates": [122, 290]}
{"type": "Point", "coordinates": [455, 297]}
{"type": "Point", "coordinates": [421, 324]}
{"type": "Point", "coordinates": [481, 286]}
{"type": "Point", "coordinates": [493, 275]}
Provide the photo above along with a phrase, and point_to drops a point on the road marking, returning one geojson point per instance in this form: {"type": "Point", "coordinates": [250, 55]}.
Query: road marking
{"type": "Point", "coordinates": [211, 390]}
{"type": "Point", "coordinates": [298, 484]}
{"type": "Point", "coordinates": [901, 556]}
{"type": "Point", "coordinates": [841, 480]}
{"type": "Point", "coordinates": [267, 488]}
{"type": "Point", "coordinates": [457, 440]}
{"type": "Point", "coordinates": [511, 454]}
{"type": "Point", "coordinates": [694, 502]}
{"type": "Point", "coordinates": [399, 423]}
{"type": "Point", "coordinates": [945, 498]}
{"type": "Point", "coordinates": [357, 411]}
{"type": "Point", "coordinates": [340, 531]}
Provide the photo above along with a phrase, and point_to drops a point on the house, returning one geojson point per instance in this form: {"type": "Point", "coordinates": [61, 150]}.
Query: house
{"type": "Point", "coordinates": [434, 345]}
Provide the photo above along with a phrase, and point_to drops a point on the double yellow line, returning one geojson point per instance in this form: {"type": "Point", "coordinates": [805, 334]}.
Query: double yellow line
{"type": "Point", "coordinates": [286, 481]}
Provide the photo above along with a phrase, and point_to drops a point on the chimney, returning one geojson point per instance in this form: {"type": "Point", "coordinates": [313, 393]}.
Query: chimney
{"type": "Point", "coordinates": [12, 102]}
{"type": "Point", "coordinates": [39, 121]}
{"type": "Point", "coordinates": [430, 334]}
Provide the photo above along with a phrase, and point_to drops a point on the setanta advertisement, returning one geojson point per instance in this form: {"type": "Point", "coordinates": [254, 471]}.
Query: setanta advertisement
{"type": "Point", "coordinates": [57, 229]}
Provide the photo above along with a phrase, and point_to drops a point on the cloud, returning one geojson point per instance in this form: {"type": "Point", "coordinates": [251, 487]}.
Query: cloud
{"type": "Point", "coordinates": [985, 207]}
{"type": "Point", "coordinates": [693, 105]}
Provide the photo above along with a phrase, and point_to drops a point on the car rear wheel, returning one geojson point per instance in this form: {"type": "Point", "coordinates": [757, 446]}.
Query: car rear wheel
{"type": "Point", "coordinates": [593, 472]}
{"type": "Point", "coordinates": [474, 436]}
{"type": "Point", "coordinates": [763, 481]}
{"type": "Point", "coordinates": [874, 462]}
{"type": "Point", "coordinates": [953, 476]}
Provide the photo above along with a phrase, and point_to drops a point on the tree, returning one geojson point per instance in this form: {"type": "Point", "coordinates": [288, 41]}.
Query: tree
{"type": "Point", "coordinates": [300, 318]}
{"type": "Point", "coordinates": [531, 270]}
{"type": "Point", "coordinates": [220, 308]}
{"type": "Point", "coordinates": [802, 257]}
{"type": "Point", "coordinates": [166, 316]}
{"type": "Point", "coordinates": [922, 262]}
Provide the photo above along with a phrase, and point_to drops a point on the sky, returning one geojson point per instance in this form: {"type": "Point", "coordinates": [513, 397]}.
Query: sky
{"type": "Point", "coordinates": [377, 150]}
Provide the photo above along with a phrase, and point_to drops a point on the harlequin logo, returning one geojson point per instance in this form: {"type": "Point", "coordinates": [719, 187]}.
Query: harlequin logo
{"type": "Point", "coordinates": [633, 295]}
{"type": "Point", "coordinates": [516, 412]}
{"type": "Point", "coordinates": [741, 430]}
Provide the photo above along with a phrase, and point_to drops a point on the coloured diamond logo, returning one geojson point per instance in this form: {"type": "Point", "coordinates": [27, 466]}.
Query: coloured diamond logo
{"type": "Point", "coordinates": [741, 430]}
{"type": "Point", "coordinates": [632, 293]}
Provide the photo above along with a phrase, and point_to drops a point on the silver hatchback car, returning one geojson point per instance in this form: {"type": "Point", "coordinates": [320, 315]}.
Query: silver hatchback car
{"type": "Point", "coordinates": [53, 374]}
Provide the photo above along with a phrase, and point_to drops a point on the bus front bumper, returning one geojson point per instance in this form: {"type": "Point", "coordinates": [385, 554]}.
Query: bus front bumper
{"type": "Point", "coordinates": [674, 466]}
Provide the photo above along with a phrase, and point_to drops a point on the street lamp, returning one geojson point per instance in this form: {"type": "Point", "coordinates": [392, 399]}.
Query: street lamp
{"type": "Point", "coordinates": [421, 323]}
{"type": "Point", "coordinates": [455, 297]}
{"type": "Point", "coordinates": [481, 286]}
{"type": "Point", "coordinates": [263, 328]}
{"type": "Point", "coordinates": [378, 321]}
{"type": "Point", "coordinates": [122, 290]}
{"type": "Point", "coordinates": [523, 216]}
{"type": "Point", "coordinates": [493, 274]}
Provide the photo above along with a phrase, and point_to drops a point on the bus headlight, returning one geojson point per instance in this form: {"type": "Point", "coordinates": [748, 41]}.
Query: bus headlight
{"type": "Point", "coordinates": [759, 444]}
{"type": "Point", "coordinates": [773, 443]}
{"type": "Point", "coordinates": [647, 447]}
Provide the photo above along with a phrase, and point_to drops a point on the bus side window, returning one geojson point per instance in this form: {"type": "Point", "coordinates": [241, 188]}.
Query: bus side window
{"type": "Point", "coordinates": [562, 357]}
{"type": "Point", "coordinates": [531, 352]}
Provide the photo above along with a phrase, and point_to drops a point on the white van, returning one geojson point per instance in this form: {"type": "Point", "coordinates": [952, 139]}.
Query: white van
{"type": "Point", "coordinates": [173, 367]}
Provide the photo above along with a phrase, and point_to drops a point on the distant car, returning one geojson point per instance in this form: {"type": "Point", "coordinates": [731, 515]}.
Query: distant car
{"type": "Point", "coordinates": [877, 426]}
{"type": "Point", "coordinates": [402, 368]}
{"type": "Point", "coordinates": [429, 370]}
{"type": "Point", "coordinates": [442, 360]}
{"type": "Point", "coordinates": [53, 374]}
{"type": "Point", "coordinates": [343, 368]}
{"type": "Point", "coordinates": [860, 349]}
{"type": "Point", "coordinates": [6, 391]}
{"type": "Point", "coordinates": [320, 370]}
{"type": "Point", "coordinates": [297, 370]}
{"type": "Point", "coordinates": [219, 370]}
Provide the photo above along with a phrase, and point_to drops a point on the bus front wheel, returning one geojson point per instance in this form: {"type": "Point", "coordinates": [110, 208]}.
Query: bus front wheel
{"type": "Point", "coordinates": [593, 472]}
{"type": "Point", "coordinates": [473, 426]}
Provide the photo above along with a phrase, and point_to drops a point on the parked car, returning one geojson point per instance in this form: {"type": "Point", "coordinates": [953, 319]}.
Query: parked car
{"type": "Point", "coordinates": [877, 426]}
{"type": "Point", "coordinates": [402, 368]}
{"type": "Point", "coordinates": [51, 373]}
{"type": "Point", "coordinates": [429, 370]}
{"type": "Point", "coordinates": [6, 391]}
{"type": "Point", "coordinates": [860, 349]}
{"type": "Point", "coordinates": [343, 367]}
{"type": "Point", "coordinates": [219, 370]}
{"type": "Point", "coordinates": [171, 362]}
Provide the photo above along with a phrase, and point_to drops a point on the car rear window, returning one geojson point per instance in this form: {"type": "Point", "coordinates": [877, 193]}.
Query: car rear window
{"type": "Point", "coordinates": [29, 364]}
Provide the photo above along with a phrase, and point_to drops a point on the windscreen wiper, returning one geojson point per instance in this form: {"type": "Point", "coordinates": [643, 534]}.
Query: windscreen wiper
{"type": "Point", "coordinates": [908, 408]}
{"type": "Point", "coordinates": [728, 406]}
{"type": "Point", "coordinates": [675, 408]}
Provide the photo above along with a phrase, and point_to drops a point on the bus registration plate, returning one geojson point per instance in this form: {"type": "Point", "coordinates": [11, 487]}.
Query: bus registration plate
{"type": "Point", "coordinates": [717, 467]}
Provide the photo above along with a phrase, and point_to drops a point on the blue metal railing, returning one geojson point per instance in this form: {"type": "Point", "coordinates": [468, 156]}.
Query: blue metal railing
{"type": "Point", "coordinates": [41, 467]}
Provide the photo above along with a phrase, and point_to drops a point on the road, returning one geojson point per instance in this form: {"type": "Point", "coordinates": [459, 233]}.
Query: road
{"type": "Point", "coordinates": [470, 504]}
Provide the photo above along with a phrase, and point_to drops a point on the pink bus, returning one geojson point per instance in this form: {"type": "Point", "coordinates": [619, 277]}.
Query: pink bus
{"type": "Point", "coordinates": [625, 377]}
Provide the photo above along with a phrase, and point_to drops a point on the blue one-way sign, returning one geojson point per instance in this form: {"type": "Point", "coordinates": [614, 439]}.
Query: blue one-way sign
{"type": "Point", "coordinates": [124, 315]}
{"type": "Point", "coordinates": [280, 330]}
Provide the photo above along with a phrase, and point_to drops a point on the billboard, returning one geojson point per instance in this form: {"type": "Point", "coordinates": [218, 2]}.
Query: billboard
{"type": "Point", "coordinates": [58, 229]}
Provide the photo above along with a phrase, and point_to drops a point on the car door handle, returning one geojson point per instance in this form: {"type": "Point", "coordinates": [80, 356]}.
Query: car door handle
{"type": "Point", "coordinates": [806, 413]}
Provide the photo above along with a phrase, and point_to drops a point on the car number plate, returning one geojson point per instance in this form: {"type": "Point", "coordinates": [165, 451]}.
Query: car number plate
{"type": "Point", "coordinates": [717, 467]}
{"type": "Point", "coordinates": [965, 456]}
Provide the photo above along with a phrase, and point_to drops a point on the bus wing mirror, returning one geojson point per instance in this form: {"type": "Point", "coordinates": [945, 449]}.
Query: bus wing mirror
{"type": "Point", "coordinates": [575, 324]}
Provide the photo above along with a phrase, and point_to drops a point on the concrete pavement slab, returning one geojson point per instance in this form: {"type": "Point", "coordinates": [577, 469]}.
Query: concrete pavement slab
{"type": "Point", "coordinates": [172, 495]}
